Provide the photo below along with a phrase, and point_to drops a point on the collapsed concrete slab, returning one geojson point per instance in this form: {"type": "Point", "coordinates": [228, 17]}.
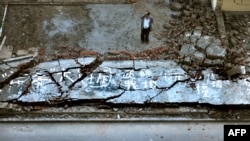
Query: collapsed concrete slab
{"type": "Point", "coordinates": [135, 82]}
{"type": "Point", "coordinates": [211, 91]}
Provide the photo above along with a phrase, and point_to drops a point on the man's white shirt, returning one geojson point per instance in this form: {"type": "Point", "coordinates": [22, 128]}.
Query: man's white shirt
{"type": "Point", "coordinates": [146, 22]}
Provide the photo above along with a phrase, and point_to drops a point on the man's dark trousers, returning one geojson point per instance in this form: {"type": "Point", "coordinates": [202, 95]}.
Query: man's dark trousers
{"type": "Point", "coordinates": [145, 35]}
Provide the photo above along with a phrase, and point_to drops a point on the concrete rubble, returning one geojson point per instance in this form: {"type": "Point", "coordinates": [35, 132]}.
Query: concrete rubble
{"type": "Point", "coordinates": [196, 56]}
{"type": "Point", "coordinates": [117, 82]}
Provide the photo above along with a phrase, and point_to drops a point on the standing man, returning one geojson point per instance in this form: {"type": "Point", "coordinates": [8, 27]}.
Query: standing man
{"type": "Point", "coordinates": [146, 25]}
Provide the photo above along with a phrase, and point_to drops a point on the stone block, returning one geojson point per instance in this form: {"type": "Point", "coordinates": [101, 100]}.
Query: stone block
{"type": "Point", "coordinates": [215, 51]}
{"type": "Point", "coordinates": [204, 42]}
{"type": "Point", "coordinates": [187, 59]}
{"type": "Point", "coordinates": [187, 34]}
{"type": "Point", "coordinates": [208, 62]}
{"type": "Point", "coordinates": [197, 33]}
{"type": "Point", "coordinates": [198, 57]}
{"type": "Point", "coordinates": [187, 49]}
{"type": "Point", "coordinates": [236, 70]}
{"type": "Point", "coordinates": [176, 14]}
{"type": "Point", "coordinates": [217, 62]}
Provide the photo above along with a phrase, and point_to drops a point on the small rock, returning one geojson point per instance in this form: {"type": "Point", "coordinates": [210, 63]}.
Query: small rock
{"type": "Point", "coordinates": [3, 105]}
{"type": "Point", "coordinates": [236, 70]}
{"type": "Point", "coordinates": [175, 6]}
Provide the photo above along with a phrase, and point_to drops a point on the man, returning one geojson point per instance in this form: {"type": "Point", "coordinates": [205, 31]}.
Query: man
{"type": "Point", "coordinates": [146, 25]}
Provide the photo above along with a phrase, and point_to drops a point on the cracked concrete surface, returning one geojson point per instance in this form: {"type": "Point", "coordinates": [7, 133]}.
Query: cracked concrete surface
{"type": "Point", "coordinates": [120, 82]}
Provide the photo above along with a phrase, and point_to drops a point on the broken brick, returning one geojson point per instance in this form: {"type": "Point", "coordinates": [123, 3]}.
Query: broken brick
{"type": "Point", "coordinates": [70, 49]}
{"type": "Point", "coordinates": [41, 52]}
{"type": "Point", "coordinates": [114, 52]}
{"type": "Point", "coordinates": [88, 53]}
{"type": "Point", "coordinates": [65, 55]}
{"type": "Point", "coordinates": [132, 57]}
{"type": "Point", "coordinates": [37, 108]}
{"type": "Point", "coordinates": [132, 1]}
{"type": "Point", "coordinates": [78, 49]}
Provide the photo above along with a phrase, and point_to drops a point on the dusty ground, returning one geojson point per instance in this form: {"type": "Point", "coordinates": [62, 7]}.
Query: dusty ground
{"type": "Point", "coordinates": [45, 27]}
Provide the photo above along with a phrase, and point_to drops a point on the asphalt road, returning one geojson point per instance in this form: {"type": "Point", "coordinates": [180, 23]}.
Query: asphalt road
{"type": "Point", "coordinates": [114, 131]}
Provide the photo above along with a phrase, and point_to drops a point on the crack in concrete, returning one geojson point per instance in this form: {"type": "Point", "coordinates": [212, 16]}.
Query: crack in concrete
{"type": "Point", "coordinates": [25, 87]}
{"type": "Point", "coordinates": [20, 68]}
{"type": "Point", "coordinates": [114, 97]}
{"type": "Point", "coordinates": [168, 88]}
{"type": "Point", "coordinates": [151, 98]}
{"type": "Point", "coordinates": [87, 69]}
{"type": "Point", "coordinates": [55, 82]}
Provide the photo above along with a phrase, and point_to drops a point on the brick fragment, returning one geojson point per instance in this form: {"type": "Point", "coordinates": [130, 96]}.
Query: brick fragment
{"type": "Point", "coordinates": [114, 52]}
{"type": "Point", "coordinates": [41, 52]}
{"type": "Point", "coordinates": [132, 1]}
{"type": "Point", "coordinates": [88, 53]}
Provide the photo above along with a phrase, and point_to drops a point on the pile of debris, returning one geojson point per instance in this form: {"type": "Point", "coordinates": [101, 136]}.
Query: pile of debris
{"type": "Point", "coordinates": [193, 30]}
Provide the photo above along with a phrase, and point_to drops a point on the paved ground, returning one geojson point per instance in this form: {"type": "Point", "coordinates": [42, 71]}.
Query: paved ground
{"type": "Point", "coordinates": [102, 131]}
{"type": "Point", "coordinates": [98, 27]}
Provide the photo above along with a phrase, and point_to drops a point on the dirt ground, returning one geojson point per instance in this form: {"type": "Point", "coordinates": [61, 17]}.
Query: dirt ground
{"type": "Point", "coordinates": [28, 26]}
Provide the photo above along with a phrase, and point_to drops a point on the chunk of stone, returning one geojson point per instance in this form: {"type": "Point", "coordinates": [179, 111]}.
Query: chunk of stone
{"type": "Point", "coordinates": [176, 14]}
{"type": "Point", "coordinates": [199, 27]}
{"type": "Point", "coordinates": [233, 41]}
{"type": "Point", "coordinates": [207, 62]}
{"type": "Point", "coordinates": [198, 57]}
{"type": "Point", "coordinates": [175, 6]}
{"type": "Point", "coordinates": [186, 13]}
{"type": "Point", "coordinates": [217, 62]}
{"type": "Point", "coordinates": [193, 16]}
{"type": "Point", "coordinates": [193, 39]}
{"type": "Point", "coordinates": [167, 25]}
{"type": "Point", "coordinates": [187, 49]}
{"type": "Point", "coordinates": [197, 33]}
{"type": "Point", "coordinates": [236, 70]}
{"type": "Point", "coordinates": [187, 34]}
{"type": "Point", "coordinates": [215, 51]}
{"type": "Point", "coordinates": [204, 42]}
{"type": "Point", "coordinates": [187, 59]}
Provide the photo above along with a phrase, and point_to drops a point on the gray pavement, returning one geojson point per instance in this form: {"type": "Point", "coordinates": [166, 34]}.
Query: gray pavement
{"type": "Point", "coordinates": [114, 131]}
{"type": "Point", "coordinates": [117, 26]}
